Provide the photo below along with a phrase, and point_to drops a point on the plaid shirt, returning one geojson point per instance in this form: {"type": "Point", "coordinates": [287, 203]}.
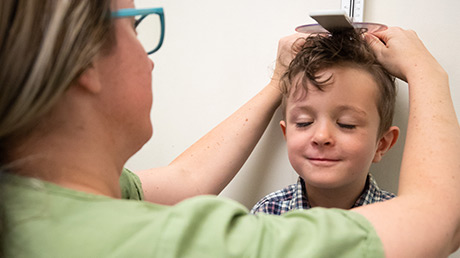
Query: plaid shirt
{"type": "Point", "coordinates": [294, 197]}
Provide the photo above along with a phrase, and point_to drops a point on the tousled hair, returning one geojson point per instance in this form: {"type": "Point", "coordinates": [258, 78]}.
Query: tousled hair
{"type": "Point", "coordinates": [347, 49]}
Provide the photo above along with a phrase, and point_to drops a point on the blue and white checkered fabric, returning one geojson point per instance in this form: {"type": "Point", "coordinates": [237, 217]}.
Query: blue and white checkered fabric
{"type": "Point", "coordinates": [294, 197]}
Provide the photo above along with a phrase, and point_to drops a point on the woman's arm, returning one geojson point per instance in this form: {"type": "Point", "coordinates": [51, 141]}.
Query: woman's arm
{"type": "Point", "coordinates": [210, 164]}
{"type": "Point", "coordinates": [424, 220]}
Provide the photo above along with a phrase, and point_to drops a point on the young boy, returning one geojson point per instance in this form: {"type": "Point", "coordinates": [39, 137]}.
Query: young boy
{"type": "Point", "coordinates": [338, 109]}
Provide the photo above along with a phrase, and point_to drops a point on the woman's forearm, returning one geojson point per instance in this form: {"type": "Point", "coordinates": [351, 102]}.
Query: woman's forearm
{"type": "Point", "coordinates": [209, 165]}
{"type": "Point", "coordinates": [215, 159]}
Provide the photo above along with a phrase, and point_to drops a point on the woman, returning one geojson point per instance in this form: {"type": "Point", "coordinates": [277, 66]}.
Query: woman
{"type": "Point", "coordinates": [76, 98]}
{"type": "Point", "coordinates": [103, 133]}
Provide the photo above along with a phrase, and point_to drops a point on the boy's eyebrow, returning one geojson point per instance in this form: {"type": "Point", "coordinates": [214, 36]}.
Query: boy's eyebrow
{"type": "Point", "coordinates": [339, 108]}
{"type": "Point", "coordinates": [301, 108]}
{"type": "Point", "coordinates": [352, 108]}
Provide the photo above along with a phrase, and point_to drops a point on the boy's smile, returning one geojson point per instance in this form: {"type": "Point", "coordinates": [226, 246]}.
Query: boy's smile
{"type": "Point", "coordinates": [323, 162]}
{"type": "Point", "coordinates": [332, 134]}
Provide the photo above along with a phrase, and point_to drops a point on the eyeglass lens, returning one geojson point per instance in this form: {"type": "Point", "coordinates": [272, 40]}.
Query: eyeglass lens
{"type": "Point", "coordinates": [149, 31]}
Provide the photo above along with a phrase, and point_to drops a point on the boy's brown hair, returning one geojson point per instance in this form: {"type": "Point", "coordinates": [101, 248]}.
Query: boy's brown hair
{"type": "Point", "coordinates": [347, 49]}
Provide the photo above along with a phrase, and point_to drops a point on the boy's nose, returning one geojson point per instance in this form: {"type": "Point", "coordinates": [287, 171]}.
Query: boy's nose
{"type": "Point", "coordinates": [323, 135]}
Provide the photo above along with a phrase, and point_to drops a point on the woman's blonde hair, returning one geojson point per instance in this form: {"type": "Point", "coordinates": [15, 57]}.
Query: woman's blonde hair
{"type": "Point", "coordinates": [44, 46]}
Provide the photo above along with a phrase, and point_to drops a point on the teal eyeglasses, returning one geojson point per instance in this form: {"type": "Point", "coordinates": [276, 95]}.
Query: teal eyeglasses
{"type": "Point", "coordinates": [149, 24]}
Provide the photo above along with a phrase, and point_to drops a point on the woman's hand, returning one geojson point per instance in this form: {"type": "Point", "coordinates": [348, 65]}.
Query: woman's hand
{"type": "Point", "coordinates": [402, 53]}
{"type": "Point", "coordinates": [288, 47]}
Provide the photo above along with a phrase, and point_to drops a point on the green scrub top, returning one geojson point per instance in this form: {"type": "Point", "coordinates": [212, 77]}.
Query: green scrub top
{"type": "Point", "coordinates": [45, 220]}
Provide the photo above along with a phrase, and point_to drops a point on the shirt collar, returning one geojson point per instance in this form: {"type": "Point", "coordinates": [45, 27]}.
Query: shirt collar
{"type": "Point", "coordinates": [368, 195]}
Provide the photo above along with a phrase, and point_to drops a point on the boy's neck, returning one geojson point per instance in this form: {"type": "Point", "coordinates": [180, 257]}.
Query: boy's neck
{"type": "Point", "coordinates": [342, 198]}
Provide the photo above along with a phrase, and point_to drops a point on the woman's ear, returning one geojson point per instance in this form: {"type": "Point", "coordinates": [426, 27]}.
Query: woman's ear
{"type": "Point", "coordinates": [89, 80]}
{"type": "Point", "coordinates": [385, 143]}
{"type": "Point", "coordinates": [283, 128]}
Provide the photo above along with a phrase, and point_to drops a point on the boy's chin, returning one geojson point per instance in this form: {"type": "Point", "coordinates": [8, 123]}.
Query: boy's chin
{"type": "Point", "coordinates": [326, 182]}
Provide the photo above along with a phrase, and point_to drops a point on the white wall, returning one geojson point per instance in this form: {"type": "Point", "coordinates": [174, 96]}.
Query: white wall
{"type": "Point", "coordinates": [218, 54]}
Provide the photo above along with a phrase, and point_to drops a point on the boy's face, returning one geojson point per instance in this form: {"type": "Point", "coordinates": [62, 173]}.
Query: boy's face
{"type": "Point", "coordinates": [332, 134]}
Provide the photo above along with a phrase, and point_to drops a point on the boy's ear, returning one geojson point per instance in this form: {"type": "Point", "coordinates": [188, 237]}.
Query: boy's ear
{"type": "Point", "coordinates": [386, 142]}
{"type": "Point", "coordinates": [89, 80]}
{"type": "Point", "coordinates": [283, 128]}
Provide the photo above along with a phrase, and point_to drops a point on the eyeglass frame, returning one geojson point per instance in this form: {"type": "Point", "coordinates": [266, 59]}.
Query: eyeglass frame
{"type": "Point", "coordinates": [144, 12]}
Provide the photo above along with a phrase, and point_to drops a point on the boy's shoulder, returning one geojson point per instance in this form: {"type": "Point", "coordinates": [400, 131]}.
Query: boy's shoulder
{"type": "Point", "coordinates": [372, 193]}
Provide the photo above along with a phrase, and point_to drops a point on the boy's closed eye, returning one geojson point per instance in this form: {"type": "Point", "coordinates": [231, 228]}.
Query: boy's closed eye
{"type": "Point", "coordinates": [346, 126]}
{"type": "Point", "coordinates": [303, 124]}
{"type": "Point", "coordinates": [341, 125]}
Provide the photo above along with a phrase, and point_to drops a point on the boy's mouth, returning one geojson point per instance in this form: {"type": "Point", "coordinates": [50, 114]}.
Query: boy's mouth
{"type": "Point", "coordinates": [323, 158]}
{"type": "Point", "coordinates": [319, 161]}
